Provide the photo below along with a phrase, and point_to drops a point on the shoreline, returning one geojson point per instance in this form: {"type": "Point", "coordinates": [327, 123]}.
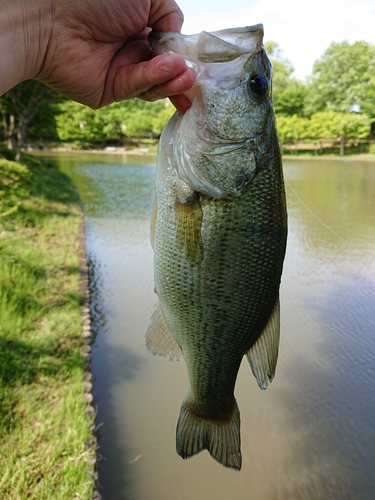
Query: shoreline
{"type": "Point", "coordinates": [106, 151]}
{"type": "Point", "coordinates": [114, 151]}
{"type": "Point", "coordinates": [88, 339]}
{"type": "Point", "coordinates": [48, 432]}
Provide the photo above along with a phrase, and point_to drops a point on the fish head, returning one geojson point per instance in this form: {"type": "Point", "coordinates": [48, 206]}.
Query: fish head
{"type": "Point", "coordinates": [222, 140]}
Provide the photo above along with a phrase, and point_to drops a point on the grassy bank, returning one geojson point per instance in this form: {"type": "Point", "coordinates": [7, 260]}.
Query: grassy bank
{"type": "Point", "coordinates": [44, 427]}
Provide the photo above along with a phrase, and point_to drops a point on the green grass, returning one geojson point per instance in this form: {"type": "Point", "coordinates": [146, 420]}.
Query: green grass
{"type": "Point", "coordinates": [44, 427]}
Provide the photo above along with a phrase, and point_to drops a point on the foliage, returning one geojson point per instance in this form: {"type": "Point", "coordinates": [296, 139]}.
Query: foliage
{"type": "Point", "coordinates": [79, 123]}
{"type": "Point", "coordinates": [291, 128]}
{"type": "Point", "coordinates": [323, 125]}
{"type": "Point", "coordinates": [27, 102]}
{"type": "Point", "coordinates": [148, 118]}
{"type": "Point", "coordinates": [291, 101]}
{"type": "Point", "coordinates": [351, 125]}
{"type": "Point", "coordinates": [289, 94]}
{"type": "Point", "coordinates": [343, 81]}
{"type": "Point", "coordinates": [44, 429]}
{"type": "Point", "coordinates": [343, 78]}
{"type": "Point", "coordinates": [122, 121]}
{"type": "Point", "coordinates": [43, 125]}
{"type": "Point", "coordinates": [13, 185]}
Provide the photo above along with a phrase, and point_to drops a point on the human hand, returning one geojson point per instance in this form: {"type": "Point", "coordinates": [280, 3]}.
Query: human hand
{"type": "Point", "coordinates": [96, 51]}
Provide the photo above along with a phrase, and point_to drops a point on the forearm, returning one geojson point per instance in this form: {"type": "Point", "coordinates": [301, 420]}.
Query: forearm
{"type": "Point", "coordinates": [23, 33]}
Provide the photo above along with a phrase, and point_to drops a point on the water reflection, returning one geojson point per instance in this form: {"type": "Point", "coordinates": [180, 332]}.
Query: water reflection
{"type": "Point", "coordinates": [333, 370]}
{"type": "Point", "coordinates": [311, 434]}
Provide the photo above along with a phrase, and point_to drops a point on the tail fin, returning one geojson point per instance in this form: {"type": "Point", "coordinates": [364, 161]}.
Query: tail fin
{"type": "Point", "coordinates": [220, 437]}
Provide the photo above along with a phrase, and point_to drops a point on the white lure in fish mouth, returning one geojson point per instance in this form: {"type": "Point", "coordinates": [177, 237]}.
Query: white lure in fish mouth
{"type": "Point", "coordinates": [231, 108]}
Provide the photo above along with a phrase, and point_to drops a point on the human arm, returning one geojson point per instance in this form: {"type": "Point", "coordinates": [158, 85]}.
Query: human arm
{"type": "Point", "coordinates": [92, 51]}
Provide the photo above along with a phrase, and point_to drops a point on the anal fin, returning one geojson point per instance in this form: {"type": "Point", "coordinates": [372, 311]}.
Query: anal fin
{"type": "Point", "coordinates": [262, 356]}
{"type": "Point", "coordinates": [158, 337]}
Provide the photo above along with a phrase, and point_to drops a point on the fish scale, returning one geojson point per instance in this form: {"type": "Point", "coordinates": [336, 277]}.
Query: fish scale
{"type": "Point", "coordinates": [219, 245]}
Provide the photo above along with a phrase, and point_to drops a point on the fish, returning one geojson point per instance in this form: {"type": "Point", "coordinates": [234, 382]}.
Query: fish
{"type": "Point", "coordinates": [218, 230]}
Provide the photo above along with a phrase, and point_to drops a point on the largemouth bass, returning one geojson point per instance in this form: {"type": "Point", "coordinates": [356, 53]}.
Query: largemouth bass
{"type": "Point", "coordinates": [219, 234]}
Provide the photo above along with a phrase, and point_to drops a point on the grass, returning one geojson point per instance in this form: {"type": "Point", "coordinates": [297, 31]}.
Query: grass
{"type": "Point", "coordinates": [44, 426]}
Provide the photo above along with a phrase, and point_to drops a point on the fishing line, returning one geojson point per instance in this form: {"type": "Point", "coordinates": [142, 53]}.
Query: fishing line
{"type": "Point", "coordinates": [312, 213]}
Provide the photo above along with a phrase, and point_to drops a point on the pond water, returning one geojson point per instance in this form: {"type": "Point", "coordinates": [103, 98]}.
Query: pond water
{"type": "Point", "coordinates": [311, 435]}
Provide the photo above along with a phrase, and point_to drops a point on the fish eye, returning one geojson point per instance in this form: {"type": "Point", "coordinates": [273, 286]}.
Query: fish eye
{"type": "Point", "coordinates": [257, 85]}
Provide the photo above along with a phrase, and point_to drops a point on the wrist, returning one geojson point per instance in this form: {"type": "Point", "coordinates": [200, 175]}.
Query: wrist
{"type": "Point", "coordinates": [24, 31]}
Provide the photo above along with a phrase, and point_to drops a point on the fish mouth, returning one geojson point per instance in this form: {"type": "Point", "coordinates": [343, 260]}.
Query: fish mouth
{"type": "Point", "coordinates": [214, 47]}
{"type": "Point", "coordinates": [219, 55]}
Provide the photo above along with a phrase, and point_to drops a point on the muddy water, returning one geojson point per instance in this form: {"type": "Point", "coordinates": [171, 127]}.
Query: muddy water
{"type": "Point", "coordinates": [311, 435]}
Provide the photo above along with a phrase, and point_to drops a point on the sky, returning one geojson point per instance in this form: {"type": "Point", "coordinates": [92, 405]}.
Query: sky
{"type": "Point", "coordinates": [303, 29]}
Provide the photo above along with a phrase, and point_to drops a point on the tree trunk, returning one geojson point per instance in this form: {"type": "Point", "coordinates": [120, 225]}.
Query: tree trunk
{"type": "Point", "coordinates": [21, 136]}
{"type": "Point", "coordinates": [342, 145]}
{"type": "Point", "coordinates": [9, 131]}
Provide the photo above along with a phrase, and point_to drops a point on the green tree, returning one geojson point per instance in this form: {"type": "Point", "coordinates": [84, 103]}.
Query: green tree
{"type": "Point", "coordinates": [291, 128]}
{"type": "Point", "coordinates": [121, 121]}
{"type": "Point", "coordinates": [324, 125]}
{"type": "Point", "coordinates": [79, 123]}
{"type": "Point", "coordinates": [338, 126]}
{"type": "Point", "coordinates": [20, 107]}
{"type": "Point", "coordinates": [150, 118]}
{"type": "Point", "coordinates": [350, 126]}
{"type": "Point", "coordinates": [288, 92]}
{"type": "Point", "coordinates": [320, 126]}
{"type": "Point", "coordinates": [343, 79]}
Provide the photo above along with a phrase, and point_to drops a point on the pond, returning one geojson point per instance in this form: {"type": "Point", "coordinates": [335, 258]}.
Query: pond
{"type": "Point", "coordinates": [311, 435]}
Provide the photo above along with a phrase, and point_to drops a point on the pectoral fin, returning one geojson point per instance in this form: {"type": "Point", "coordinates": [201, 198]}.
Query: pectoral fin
{"type": "Point", "coordinates": [159, 340]}
{"type": "Point", "coordinates": [262, 356]}
{"type": "Point", "coordinates": [189, 216]}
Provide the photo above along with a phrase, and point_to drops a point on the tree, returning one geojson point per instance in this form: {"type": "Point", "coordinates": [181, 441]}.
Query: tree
{"type": "Point", "coordinates": [343, 79]}
{"type": "Point", "coordinates": [350, 126]}
{"type": "Point", "coordinates": [291, 101]}
{"type": "Point", "coordinates": [120, 121]}
{"type": "Point", "coordinates": [288, 92]}
{"type": "Point", "coordinates": [19, 106]}
{"type": "Point", "coordinates": [291, 128]}
{"type": "Point", "coordinates": [324, 125]}
{"type": "Point", "coordinates": [79, 123]}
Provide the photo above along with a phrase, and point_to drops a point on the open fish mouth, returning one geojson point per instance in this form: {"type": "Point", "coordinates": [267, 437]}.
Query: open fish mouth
{"type": "Point", "coordinates": [215, 47]}
{"type": "Point", "coordinates": [218, 55]}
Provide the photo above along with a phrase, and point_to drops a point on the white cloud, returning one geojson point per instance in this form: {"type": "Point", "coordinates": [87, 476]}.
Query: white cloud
{"type": "Point", "coordinates": [303, 29]}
